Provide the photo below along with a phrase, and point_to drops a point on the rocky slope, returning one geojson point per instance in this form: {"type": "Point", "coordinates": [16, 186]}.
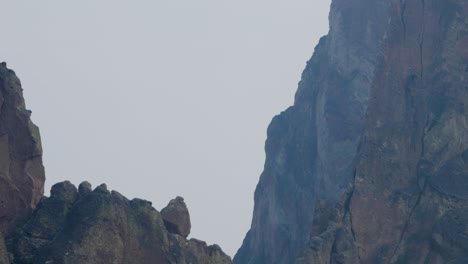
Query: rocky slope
{"type": "Point", "coordinates": [370, 163]}
{"type": "Point", "coordinates": [79, 225]}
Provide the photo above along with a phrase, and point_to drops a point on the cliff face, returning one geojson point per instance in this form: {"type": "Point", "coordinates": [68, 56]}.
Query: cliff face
{"type": "Point", "coordinates": [311, 146]}
{"type": "Point", "coordinates": [370, 163]}
{"type": "Point", "coordinates": [79, 225]}
{"type": "Point", "coordinates": [412, 169]}
{"type": "Point", "coordinates": [21, 170]}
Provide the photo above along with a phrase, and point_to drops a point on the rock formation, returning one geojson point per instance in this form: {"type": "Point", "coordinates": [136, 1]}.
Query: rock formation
{"type": "Point", "coordinates": [79, 225]}
{"type": "Point", "coordinates": [176, 217]}
{"type": "Point", "coordinates": [100, 226]}
{"type": "Point", "coordinates": [21, 170]}
{"type": "Point", "coordinates": [370, 163]}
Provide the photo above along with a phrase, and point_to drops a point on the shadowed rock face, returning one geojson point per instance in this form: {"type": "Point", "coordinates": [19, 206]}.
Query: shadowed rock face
{"type": "Point", "coordinates": [370, 163]}
{"type": "Point", "coordinates": [102, 227]}
{"type": "Point", "coordinates": [21, 170]}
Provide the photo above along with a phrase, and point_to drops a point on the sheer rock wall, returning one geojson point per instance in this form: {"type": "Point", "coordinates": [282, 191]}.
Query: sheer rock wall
{"type": "Point", "coordinates": [370, 163]}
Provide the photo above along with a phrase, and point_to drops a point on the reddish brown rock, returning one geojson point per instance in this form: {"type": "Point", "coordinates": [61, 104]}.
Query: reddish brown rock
{"type": "Point", "coordinates": [410, 170]}
{"type": "Point", "coordinates": [21, 170]}
{"type": "Point", "coordinates": [176, 217]}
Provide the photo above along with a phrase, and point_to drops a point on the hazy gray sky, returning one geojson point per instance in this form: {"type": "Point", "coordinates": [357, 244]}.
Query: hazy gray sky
{"type": "Point", "coordinates": [162, 98]}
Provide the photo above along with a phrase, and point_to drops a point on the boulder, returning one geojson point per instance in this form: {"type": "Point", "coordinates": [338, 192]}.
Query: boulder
{"type": "Point", "coordinates": [176, 217]}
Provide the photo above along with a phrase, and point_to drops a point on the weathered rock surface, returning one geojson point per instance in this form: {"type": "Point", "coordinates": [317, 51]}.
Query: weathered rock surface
{"type": "Point", "coordinates": [311, 146]}
{"type": "Point", "coordinates": [84, 187]}
{"type": "Point", "coordinates": [176, 217]}
{"type": "Point", "coordinates": [4, 259]}
{"type": "Point", "coordinates": [195, 251]}
{"type": "Point", "coordinates": [102, 227]}
{"type": "Point", "coordinates": [370, 164]}
{"type": "Point", "coordinates": [410, 170]}
{"type": "Point", "coordinates": [21, 170]}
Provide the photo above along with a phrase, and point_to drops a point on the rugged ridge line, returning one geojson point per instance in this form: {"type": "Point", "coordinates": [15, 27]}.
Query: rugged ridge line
{"type": "Point", "coordinates": [101, 226]}
{"type": "Point", "coordinates": [79, 225]}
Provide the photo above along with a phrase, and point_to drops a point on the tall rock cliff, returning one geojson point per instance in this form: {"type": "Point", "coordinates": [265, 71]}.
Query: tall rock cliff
{"type": "Point", "coordinates": [79, 225]}
{"type": "Point", "coordinates": [412, 168]}
{"type": "Point", "coordinates": [370, 163]}
{"type": "Point", "coordinates": [21, 170]}
{"type": "Point", "coordinates": [311, 146]}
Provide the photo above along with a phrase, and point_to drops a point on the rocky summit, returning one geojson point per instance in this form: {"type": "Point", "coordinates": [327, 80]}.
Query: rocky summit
{"type": "Point", "coordinates": [370, 163]}
{"type": "Point", "coordinates": [79, 225]}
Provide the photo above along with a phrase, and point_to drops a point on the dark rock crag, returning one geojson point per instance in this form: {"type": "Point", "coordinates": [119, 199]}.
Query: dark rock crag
{"type": "Point", "coordinates": [102, 226]}
{"type": "Point", "coordinates": [370, 164]}
{"type": "Point", "coordinates": [79, 225]}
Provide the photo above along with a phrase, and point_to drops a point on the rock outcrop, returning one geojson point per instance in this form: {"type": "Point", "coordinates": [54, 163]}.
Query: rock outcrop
{"type": "Point", "coordinates": [21, 170]}
{"type": "Point", "coordinates": [370, 163]}
{"type": "Point", "coordinates": [176, 217]}
{"type": "Point", "coordinates": [102, 226]}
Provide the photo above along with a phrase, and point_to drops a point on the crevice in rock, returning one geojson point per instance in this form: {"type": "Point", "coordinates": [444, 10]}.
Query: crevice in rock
{"type": "Point", "coordinates": [421, 39]}
{"type": "Point", "coordinates": [402, 16]}
{"type": "Point", "coordinates": [422, 189]}
{"type": "Point", "coordinates": [348, 213]}
{"type": "Point", "coordinates": [333, 250]}
{"type": "Point", "coordinates": [424, 180]}
{"type": "Point", "coordinates": [405, 227]}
